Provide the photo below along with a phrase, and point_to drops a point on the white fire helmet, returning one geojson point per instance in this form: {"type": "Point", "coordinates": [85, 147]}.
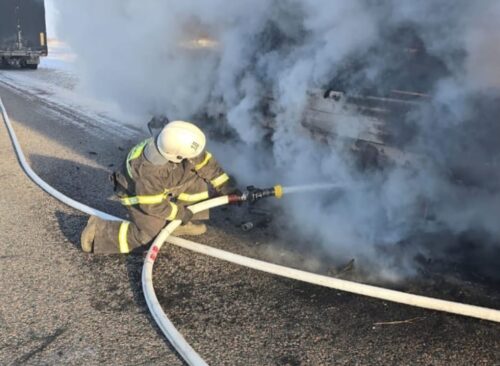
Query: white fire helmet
{"type": "Point", "coordinates": [180, 140]}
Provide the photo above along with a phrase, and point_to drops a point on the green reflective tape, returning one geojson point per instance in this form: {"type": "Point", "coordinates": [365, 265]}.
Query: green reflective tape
{"type": "Point", "coordinates": [174, 211]}
{"type": "Point", "coordinates": [220, 180]}
{"type": "Point", "coordinates": [208, 156]}
{"type": "Point", "coordinates": [134, 154]}
{"type": "Point", "coordinates": [122, 238]}
{"type": "Point", "coordinates": [195, 197]}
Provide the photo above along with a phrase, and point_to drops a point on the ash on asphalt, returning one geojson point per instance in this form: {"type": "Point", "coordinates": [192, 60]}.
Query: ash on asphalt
{"type": "Point", "coordinates": [267, 320]}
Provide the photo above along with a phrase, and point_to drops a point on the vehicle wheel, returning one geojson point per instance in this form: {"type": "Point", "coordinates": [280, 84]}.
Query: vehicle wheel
{"type": "Point", "coordinates": [32, 66]}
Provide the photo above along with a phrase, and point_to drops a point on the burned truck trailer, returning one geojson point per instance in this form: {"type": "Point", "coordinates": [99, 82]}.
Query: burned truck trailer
{"type": "Point", "coordinates": [23, 37]}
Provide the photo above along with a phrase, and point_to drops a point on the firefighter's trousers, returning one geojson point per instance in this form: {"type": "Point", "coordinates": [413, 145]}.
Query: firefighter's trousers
{"type": "Point", "coordinates": [133, 236]}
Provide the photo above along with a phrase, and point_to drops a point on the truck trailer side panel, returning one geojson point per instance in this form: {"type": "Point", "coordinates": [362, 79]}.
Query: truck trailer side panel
{"type": "Point", "coordinates": [23, 34]}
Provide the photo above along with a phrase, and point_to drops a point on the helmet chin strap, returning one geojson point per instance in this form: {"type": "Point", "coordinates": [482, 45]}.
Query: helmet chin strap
{"type": "Point", "coordinates": [177, 160]}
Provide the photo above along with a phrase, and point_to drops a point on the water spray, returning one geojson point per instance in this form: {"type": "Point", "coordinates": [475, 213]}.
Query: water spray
{"type": "Point", "coordinates": [310, 188]}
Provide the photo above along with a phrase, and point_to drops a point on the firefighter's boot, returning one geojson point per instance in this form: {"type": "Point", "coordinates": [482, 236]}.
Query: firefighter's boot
{"type": "Point", "coordinates": [88, 234]}
{"type": "Point", "coordinates": [190, 229]}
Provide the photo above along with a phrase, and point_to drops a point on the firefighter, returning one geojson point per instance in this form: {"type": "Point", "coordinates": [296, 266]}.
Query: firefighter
{"type": "Point", "coordinates": [160, 178]}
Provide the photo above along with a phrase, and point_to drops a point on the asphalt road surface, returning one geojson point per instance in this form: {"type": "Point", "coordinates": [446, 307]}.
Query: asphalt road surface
{"type": "Point", "coordinates": [60, 306]}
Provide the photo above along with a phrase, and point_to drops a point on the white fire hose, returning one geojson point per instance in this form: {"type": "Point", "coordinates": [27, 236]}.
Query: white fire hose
{"type": "Point", "coordinates": [177, 340]}
{"type": "Point", "coordinates": [172, 334]}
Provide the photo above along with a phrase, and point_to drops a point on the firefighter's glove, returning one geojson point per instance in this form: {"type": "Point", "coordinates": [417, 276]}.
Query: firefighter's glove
{"type": "Point", "coordinates": [236, 192]}
{"type": "Point", "coordinates": [228, 189]}
{"type": "Point", "coordinates": [184, 214]}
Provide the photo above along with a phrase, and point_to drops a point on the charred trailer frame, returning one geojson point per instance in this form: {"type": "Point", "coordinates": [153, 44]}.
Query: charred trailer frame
{"type": "Point", "coordinates": [23, 35]}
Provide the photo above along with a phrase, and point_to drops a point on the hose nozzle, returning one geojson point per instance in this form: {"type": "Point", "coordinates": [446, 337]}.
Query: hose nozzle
{"type": "Point", "coordinates": [254, 194]}
{"type": "Point", "coordinates": [278, 191]}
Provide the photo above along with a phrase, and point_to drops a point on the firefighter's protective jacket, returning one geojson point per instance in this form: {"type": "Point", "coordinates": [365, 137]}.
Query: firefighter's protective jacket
{"type": "Point", "coordinates": [158, 190]}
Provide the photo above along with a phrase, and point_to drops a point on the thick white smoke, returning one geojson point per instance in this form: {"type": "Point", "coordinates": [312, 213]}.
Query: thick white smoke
{"type": "Point", "coordinates": [248, 68]}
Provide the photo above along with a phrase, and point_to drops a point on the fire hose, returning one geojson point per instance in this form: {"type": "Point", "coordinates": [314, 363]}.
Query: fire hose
{"type": "Point", "coordinates": [253, 194]}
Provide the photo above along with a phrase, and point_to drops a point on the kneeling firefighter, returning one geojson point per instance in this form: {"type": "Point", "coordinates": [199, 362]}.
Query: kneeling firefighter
{"type": "Point", "coordinates": [160, 178]}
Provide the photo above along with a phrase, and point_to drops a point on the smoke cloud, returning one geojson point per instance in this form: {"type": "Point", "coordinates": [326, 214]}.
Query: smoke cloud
{"type": "Point", "coordinates": [418, 177]}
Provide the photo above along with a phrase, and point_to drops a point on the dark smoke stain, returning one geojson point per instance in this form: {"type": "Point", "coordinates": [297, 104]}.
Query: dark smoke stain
{"type": "Point", "coordinates": [46, 341]}
{"type": "Point", "coordinates": [181, 293]}
{"type": "Point", "coordinates": [367, 157]}
{"type": "Point", "coordinates": [113, 299]}
{"type": "Point", "coordinates": [471, 151]}
{"type": "Point", "coordinates": [471, 255]}
{"type": "Point", "coordinates": [288, 360]}
{"type": "Point", "coordinates": [2, 257]}
{"type": "Point", "coordinates": [403, 61]}
{"type": "Point", "coordinates": [273, 37]}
